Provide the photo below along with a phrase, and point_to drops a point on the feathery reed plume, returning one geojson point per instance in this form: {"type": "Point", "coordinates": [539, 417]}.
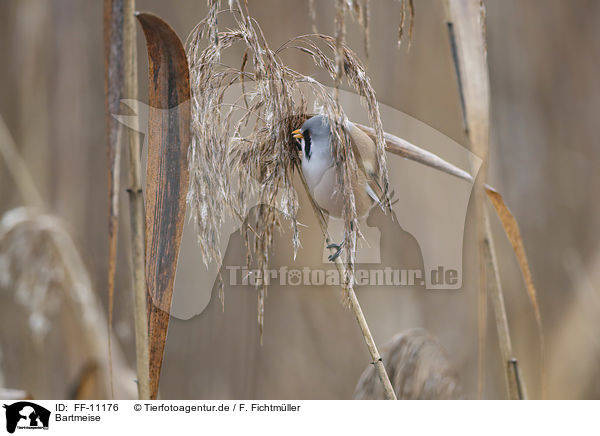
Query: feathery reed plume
{"type": "Point", "coordinates": [40, 262]}
{"type": "Point", "coordinates": [418, 368]}
{"type": "Point", "coordinates": [244, 149]}
{"type": "Point", "coordinates": [28, 260]}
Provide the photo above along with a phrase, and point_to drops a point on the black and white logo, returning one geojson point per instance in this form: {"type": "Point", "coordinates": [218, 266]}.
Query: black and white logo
{"type": "Point", "coordinates": [26, 415]}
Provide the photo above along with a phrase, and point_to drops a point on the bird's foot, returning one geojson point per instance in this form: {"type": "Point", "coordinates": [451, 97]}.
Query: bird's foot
{"type": "Point", "coordinates": [338, 247]}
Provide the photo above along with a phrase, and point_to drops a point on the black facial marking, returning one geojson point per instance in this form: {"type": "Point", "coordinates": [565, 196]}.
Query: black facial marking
{"type": "Point", "coordinates": [307, 152]}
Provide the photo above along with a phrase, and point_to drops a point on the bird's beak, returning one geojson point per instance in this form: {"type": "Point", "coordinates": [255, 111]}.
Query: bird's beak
{"type": "Point", "coordinates": [297, 134]}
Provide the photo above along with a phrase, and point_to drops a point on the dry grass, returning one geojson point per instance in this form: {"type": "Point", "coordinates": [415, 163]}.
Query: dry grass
{"type": "Point", "coordinates": [253, 133]}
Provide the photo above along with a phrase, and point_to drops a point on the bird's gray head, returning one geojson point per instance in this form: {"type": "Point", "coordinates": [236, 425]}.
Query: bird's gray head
{"type": "Point", "coordinates": [313, 135]}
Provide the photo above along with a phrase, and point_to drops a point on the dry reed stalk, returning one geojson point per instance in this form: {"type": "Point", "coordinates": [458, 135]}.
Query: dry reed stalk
{"type": "Point", "coordinates": [312, 12]}
{"type": "Point", "coordinates": [407, 10]}
{"type": "Point", "coordinates": [340, 40]}
{"type": "Point", "coordinates": [514, 386]}
{"type": "Point", "coordinates": [468, 51]}
{"type": "Point", "coordinates": [136, 207]}
{"type": "Point", "coordinates": [466, 28]}
{"type": "Point", "coordinates": [113, 88]}
{"type": "Point", "coordinates": [366, 21]}
{"type": "Point", "coordinates": [17, 168]}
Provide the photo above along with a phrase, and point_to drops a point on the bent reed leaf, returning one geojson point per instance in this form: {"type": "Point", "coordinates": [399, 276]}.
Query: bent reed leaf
{"type": "Point", "coordinates": [167, 177]}
{"type": "Point", "coordinates": [511, 228]}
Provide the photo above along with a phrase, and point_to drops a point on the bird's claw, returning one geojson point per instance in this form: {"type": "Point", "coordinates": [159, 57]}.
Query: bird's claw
{"type": "Point", "coordinates": [334, 256]}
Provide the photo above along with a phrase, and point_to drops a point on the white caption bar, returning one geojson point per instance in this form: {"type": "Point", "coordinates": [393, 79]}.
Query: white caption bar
{"type": "Point", "coordinates": [301, 417]}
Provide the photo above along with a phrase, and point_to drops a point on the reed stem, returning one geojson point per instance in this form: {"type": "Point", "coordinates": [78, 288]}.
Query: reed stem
{"type": "Point", "coordinates": [465, 20]}
{"type": "Point", "coordinates": [136, 209]}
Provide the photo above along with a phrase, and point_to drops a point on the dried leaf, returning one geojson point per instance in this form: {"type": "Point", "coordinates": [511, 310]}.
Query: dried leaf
{"type": "Point", "coordinates": [511, 228]}
{"type": "Point", "coordinates": [167, 176]}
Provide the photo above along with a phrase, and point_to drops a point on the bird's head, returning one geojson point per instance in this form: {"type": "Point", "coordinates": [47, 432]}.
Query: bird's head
{"type": "Point", "coordinates": [313, 136]}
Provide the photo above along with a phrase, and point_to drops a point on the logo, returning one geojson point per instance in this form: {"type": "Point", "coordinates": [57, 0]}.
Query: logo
{"type": "Point", "coordinates": [26, 415]}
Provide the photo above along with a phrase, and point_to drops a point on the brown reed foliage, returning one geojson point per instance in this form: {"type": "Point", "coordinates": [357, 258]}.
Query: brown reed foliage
{"type": "Point", "coordinates": [245, 150]}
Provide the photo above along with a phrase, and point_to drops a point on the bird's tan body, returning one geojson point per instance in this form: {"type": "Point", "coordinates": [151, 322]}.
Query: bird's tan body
{"type": "Point", "coordinates": [318, 165]}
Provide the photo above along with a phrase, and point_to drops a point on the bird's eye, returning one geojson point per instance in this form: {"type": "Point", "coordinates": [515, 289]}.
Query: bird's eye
{"type": "Point", "coordinates": [307, 144]}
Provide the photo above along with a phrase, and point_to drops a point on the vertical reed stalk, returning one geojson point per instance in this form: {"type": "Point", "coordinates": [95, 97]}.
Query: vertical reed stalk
{"type": "Point", "coordinates": [514, 386]}
{"type": "Point", "coordinates": [466, 28]}
{"type": "Point", "coordinates": [136, 209]}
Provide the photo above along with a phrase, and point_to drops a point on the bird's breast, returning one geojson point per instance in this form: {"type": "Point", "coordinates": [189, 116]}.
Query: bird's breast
{"type": "Point", "coordinates": [323, 186]}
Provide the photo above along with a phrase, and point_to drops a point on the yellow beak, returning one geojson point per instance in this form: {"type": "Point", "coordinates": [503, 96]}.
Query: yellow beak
{"type": "Point", "coordinates": [297, 134]}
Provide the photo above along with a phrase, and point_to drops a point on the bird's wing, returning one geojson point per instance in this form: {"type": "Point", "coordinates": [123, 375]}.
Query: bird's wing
{"type": "Point", "coordinates": [364, 151]}
{"type": "Point", "coordinates": [366, 159]}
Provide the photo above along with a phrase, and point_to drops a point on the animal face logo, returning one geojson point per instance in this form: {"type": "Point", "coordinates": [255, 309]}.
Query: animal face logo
{"type": "Point", "coordinates": [26, 415]}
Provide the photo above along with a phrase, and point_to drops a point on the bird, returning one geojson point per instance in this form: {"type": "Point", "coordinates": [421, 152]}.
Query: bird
{"type": "Point", "coordinates": [318, 167]}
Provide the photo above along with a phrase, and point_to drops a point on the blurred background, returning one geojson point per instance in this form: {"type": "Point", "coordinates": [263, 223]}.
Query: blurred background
{"type": "Point", "coordinates": [543, 60]}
